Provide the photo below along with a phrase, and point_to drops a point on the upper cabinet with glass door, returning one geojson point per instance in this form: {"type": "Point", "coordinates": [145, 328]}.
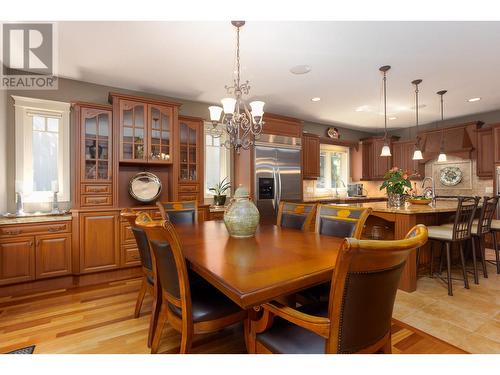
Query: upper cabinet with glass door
{"type": "Point", "coordinates": [190, 135]}
{"type": "Point", "coordinates": [145, 129]}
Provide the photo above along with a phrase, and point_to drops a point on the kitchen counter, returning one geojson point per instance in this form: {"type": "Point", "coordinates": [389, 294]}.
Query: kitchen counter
{"type": "Point", "coordinates": [345, 199]}
{"type": "Point", "coordinates": [412, 209]}
{"type": "Point", "coordinates": [34, 219]}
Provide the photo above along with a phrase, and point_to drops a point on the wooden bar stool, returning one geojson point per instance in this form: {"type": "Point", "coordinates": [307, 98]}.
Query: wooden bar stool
{"type": "Point", "coordinates": [458, 233]}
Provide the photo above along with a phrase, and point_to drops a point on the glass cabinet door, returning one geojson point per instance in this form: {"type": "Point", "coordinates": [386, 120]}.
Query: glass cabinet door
{"type": "Point", "coordinates": [188, 151]}
{"type": "Point", "coordinates": [97, 140]}
{"type": "Point", "coordinates": [133, 131]}
{"type": "Point", "coordinates": [160, 125]}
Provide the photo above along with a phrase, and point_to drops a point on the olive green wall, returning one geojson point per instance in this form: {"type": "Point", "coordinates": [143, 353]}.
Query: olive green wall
{"type": "Point", "coordinates": [72, 90]}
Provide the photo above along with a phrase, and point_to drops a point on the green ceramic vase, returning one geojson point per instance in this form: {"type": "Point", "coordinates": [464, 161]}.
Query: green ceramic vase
{"type": "Point", "coordinates": [241, 216]}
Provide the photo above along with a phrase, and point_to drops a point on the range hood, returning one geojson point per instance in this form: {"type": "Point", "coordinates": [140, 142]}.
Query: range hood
{"type": "Point", "coordinates": [459, 140]}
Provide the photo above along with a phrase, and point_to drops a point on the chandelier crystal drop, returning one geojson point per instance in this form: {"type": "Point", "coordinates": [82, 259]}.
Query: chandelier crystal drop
{"type": "Point", "coordinates": [242, 125]}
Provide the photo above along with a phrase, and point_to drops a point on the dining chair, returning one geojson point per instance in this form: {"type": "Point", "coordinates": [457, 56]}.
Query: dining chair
{"type": "Point", "coordinates": [296, 215]}
{"type": "Point", "coordinates": [147, 285]}
{"type": "Point", "coordinates": [357, 316]}
{"type": "Point", "coordinates": [184, 212]}
{"type": "Point", "coordinates": [456, 234]}
{"type": "Point", "coordinates": [190, 308]}
{"type": "Point", "coordinates": [336, 221]}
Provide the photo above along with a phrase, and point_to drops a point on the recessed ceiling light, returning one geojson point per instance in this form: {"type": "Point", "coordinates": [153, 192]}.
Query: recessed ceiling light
{"type": "Point", "coordinates": [473, 100]}
{"type": "Point", "coordinates": [300, 69]}
{"type": "Point", "coordinates": [363, 108]}
{"type": "Point", "coordinates": [315, 99]}
{"type": "Point", "coordinates": [392, 118]}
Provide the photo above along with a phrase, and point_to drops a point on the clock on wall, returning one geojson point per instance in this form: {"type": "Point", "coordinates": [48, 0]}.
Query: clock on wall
{"type": "Point", "coordinates": [333, 133]}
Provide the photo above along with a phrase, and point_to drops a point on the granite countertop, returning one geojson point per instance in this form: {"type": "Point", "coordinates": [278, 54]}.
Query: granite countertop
{"type": "Point", "coordinates": [411, 209]}
{"type": "Point", "coordinates": [345, 199]}
{"type": "Point", "coordinates": [34, 219]}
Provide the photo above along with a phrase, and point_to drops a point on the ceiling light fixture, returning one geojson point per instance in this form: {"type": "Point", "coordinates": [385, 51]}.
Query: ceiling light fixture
{"type": "Point", "coordinates": [241, 125]}
{"type": "Point", "coordinates": [386, 150]}
{"type": "Point", "coordinates": [315, 99]}
{"type": "Point", "coordinates": [442, 155]}
{"type": "Point", "coordinates": [417, 153]}
{"type": "Point", "coordinates": [300, 69]}
{"type": "Point", "coordinates": [471, 100]}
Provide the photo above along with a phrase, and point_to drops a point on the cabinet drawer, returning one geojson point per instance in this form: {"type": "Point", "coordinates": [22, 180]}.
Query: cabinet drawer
{"type": "Point", "coordinates": [35, 228]}
{"type": "Point", "coordinates": [127, 236]}
{"type": "Point", "coordinates": [188, 196]}
{"type": "Point", "coordinates": [96, 189]}
{"type": "Point", "coordinates": [188, 188]}
{"type": "Point", "coordinates": [94, 200]}
{"type": "Point", "coordinates": [131, 256]}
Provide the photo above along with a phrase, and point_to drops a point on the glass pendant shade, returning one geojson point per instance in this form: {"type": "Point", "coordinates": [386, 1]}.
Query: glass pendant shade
{"type": "Point", "coordinates": [228, 104]}
{"type": "Point", "coordinates": [417, 154]}
{"type": "Point", "coordinates": [215, 112]}
{"type": "Point", "coordinates": [257, 108]}
{"type": "Point", "coordinates": [442, 156]}
{"type": "Point", "coordinates": [386, 150]}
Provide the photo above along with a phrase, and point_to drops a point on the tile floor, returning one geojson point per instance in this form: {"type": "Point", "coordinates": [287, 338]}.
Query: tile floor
{"type": "Point", "coordinates": [470, 319]}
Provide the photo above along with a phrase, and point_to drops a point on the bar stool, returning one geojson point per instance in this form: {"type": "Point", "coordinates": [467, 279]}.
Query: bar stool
{"type": "Point", "coordinates": [456, 234]}
{"type": "Point", "coordinates": [495, 229]}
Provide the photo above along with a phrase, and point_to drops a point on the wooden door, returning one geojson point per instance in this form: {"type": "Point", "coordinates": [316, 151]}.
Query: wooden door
{"type": "Point", "coordinates": [310, 157]}
{"type": "Point", "coordinates": [160, 134]}
{"type": "Point", "coordinates": [53, 255]}
{"type": "Point", "coordinates": [133, 131]}
{"type": "Point", "coordinates": [17, 260]}
{"type": "Point", "coordinates": [99, 241]}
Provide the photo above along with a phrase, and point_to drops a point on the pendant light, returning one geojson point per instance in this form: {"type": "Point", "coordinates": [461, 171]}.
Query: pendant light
{"type": "Point", "coordinates": [442, 155]}
{"type": "Point", "coordinates": [417, 153]}
{"type": "Point", "coordinates": [386, 150]}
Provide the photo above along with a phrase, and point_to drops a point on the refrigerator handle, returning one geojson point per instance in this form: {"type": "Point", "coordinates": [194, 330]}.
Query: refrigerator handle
{"type": "Point", "coordinates": [275, 190]}
{"type": "Point", "coordinates": [279, 182]}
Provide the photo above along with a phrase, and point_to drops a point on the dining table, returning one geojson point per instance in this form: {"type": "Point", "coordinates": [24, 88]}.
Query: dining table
{"type": "Point", "coordinates": [276, 262]}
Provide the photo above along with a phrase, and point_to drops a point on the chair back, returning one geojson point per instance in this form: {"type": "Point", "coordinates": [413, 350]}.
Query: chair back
{"type": "Point", "coordinates": [363, 290]}
{"type": "Point", "coordinates": [296, 215]}
{"type": "Point", "coordinates": [463, 219]}
{"type": "Point", "coordinates": [169, 265]}
{"type": "Point", "coordinates": [140, 236]}
{"type": "Point", "coordinates": [341, 221]}
{"type": "Point", "coordinates": [179, 212]}
{"type": "Point", "coordinates": [486, 215]}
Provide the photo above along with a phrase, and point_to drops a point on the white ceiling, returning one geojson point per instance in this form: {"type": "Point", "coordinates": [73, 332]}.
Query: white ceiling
{"type": "Point", "coordinates": [194, 60]}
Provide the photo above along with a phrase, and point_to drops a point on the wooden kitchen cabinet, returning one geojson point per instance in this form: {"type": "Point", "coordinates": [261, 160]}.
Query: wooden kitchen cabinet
{"type": "Point", "coordinates": [310, 156]}
{"type": "Point", "coordinates": [281, 125]}
{"type": "Point", "coordinates": [485, 153]}
{"type": "Point", "coordinates": [53, 255]}
{"type": "Point", "coordinates": [402, 157]}
{"type": "Point", "coordinates": [191, 159]}
{"type": "Point", "coordinates": [145, 128]}
{"type": "Point", "coordinates": [99, 241]}
{"type": "Point", "coordinates": [17, 260]}
{"type": "Point", "coordinates": [496, 144]}
{"type": "Point", "coordinates": [374, 165]}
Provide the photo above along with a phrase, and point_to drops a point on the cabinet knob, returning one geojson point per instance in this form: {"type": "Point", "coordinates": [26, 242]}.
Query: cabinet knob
{"type": "Point", "coordinates": [56, 229]}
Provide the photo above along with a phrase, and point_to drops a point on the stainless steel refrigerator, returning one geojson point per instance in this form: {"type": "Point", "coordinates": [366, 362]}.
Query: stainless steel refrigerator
{"type": "Point", "coordinates": [277, 174]}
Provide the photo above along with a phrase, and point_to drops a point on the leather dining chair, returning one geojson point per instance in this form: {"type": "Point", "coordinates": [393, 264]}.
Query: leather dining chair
{"type": "Point", "coordinates": [336, 221]}
{"type": "Point", "coordinates": [296, 215]}
{"type": "Point", "coordinates": [147, 284]}
{"type": "Point", "coordinates": [190, 308]}
{"type": "Point", "coordinates": [184, 212]}
{"type": "Point", "coordinates": [356, 318]}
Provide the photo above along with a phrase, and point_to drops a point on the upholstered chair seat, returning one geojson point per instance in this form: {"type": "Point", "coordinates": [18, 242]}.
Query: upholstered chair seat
{"type": "Point", "coordinates": [441, 232]}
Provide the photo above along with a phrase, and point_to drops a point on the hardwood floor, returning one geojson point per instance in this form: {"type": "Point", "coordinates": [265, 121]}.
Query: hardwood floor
{"type": "Point", "coordinates": [99, 319]}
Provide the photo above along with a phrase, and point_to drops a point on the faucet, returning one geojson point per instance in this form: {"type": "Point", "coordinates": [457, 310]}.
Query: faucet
{"type": "Point", "coordinates": [19, 204]}
{"type": "Point", "coordinates": [337, 185]}
{"type": "Point", "coordinates": [432, 190]}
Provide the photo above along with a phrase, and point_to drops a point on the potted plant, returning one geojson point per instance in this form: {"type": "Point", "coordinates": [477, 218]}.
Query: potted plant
{"type": "Point", "coordinates": [219, 190]}
{"type": "Point", "coordinates": [397, 185]}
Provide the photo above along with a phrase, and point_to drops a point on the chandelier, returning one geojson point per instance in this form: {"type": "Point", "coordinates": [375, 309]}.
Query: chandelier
{"type": "Point", "coordinates": [241, 124]}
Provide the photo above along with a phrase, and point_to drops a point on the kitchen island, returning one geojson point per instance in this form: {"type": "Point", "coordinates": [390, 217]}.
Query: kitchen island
{"type": "Point", "coordinates": [387, 223]}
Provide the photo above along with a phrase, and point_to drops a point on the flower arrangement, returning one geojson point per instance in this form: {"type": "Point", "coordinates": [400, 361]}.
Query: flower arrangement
{"type": "Point", "coordinates": [397, 181]}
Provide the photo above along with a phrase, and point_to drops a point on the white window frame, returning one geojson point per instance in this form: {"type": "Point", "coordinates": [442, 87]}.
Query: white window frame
{"type": "Point", "coordinates": [25, 109]}
{"type": "Point", "coordinates": [334, 148]}
{"type": "Point", "coordinates": [225, 159]}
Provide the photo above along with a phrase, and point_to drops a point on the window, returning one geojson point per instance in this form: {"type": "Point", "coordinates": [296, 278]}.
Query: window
{"type": "Point", "coordinates": [334, 168]}
{"type": "Point", "coordinates": [42, 149]}
{"type": "Point", "coordinates": [217, 161]}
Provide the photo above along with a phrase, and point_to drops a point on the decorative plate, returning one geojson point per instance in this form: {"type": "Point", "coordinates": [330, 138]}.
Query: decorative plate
{"type": "Point", "coordinates": [145, 187]}
{"type": "Point", "coordinates": [450, 176]}
{"type": "Point", "coordinates": [333, 133]}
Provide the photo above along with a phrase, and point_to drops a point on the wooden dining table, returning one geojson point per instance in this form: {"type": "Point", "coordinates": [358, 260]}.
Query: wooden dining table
{"type": "Point", "coordinates": [252, 271]}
